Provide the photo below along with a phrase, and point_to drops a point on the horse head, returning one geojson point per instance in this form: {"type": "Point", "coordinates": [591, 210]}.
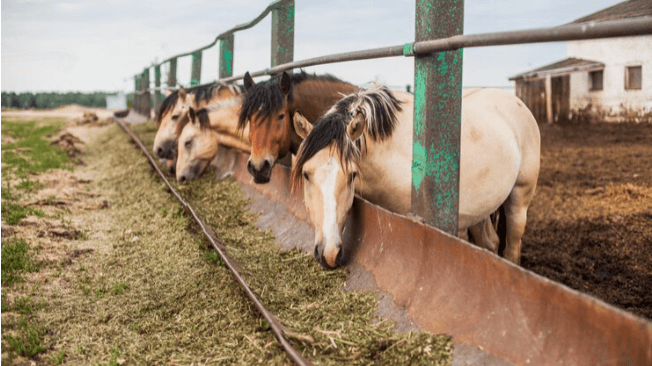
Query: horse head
{"type": "Point", "coordinates": [327, 166]}
{"type": "Point", "coordinates": [197, 145]}
{"type": "Point", "coordinates": [328, 163]}
{"type": "Point", "coordinates": [172, 110]}
{"type": "Point", "coordinates": [268, 109]}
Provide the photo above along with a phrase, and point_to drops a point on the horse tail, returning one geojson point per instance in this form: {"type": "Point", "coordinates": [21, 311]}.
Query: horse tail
{"type": "Point", "coordinates": [501, 229]}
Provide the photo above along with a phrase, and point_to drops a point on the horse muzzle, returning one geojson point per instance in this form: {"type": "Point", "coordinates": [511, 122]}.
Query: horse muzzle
{"type": "Point", "coordinates": [167, 150]}
{"type": "Point", "coordinates": [330, 258]}
{"type": "Point", "coordinates": [263, 173]}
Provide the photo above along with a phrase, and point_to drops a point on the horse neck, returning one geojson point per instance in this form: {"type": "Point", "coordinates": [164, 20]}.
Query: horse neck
{"type": "Point", "coordinates": [385, 166]}
{"type": "Point", "coordinates": [314, 97]}
{"type": "Point", "coordinates": [224, 118]}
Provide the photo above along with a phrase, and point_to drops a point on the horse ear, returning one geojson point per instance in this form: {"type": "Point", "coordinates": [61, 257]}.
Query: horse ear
{"type": "Point", "coordinates": [286, 83]}
{"type": "Point", "coordinates": [301, 125]}
{"type": "Point", "coordinates": [168, 91]}
{"type": "Point", "coordinates": [191, 113]}
{"type": "Point", "coordinates": [248, 81]}
{"type": "Point", "coordinates": [182, 93]}
{"type": "Point", "coordinates": [356, 127]}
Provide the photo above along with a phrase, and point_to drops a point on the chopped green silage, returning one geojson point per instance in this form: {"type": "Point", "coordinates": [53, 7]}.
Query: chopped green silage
{"type": "Point", "coordinates": [153, 292]}
{"type": "Point", "coordinates": [328, 326]}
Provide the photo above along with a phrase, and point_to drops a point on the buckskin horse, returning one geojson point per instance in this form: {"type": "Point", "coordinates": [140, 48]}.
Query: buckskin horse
{"type": "Point", "coordinates": [203, 132]}
{"type": "Point", "coordinates": [177, 103]}
{"type": "Point", "coordinates": [363, 144]}
{"type": "Point", "coordinates": [268, 109]}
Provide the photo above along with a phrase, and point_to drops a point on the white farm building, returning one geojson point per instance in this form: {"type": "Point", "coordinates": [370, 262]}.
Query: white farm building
{"type": "Point", "coordinates": [600, 80]}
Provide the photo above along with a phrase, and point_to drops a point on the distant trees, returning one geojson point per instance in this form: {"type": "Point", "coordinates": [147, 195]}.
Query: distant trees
{"type": "Point", "coordinates": [54, 100]}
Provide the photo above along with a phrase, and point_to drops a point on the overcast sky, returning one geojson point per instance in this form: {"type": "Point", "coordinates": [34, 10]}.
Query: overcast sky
{"type": "Point", "coordinates": [51, 45]}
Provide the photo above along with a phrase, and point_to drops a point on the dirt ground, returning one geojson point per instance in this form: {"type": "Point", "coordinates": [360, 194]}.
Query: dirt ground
{"type": "Point", "coordinates": [590, 224]}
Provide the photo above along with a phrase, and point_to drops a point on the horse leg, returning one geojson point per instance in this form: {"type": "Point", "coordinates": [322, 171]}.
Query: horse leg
{"type": "Point", "coordinates": [484, 235]}
{"type": "Point", "coordinates": [516, 216]}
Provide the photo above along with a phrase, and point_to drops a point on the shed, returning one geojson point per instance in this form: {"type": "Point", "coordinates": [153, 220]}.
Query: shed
{"type": "Point", "coordinates": [600, 80]}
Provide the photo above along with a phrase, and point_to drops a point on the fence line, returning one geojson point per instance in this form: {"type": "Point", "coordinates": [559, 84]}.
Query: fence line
{"type": "Point", "coordinates": [437, 51]}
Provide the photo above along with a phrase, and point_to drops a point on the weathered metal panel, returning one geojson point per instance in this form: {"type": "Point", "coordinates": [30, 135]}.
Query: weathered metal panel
{"type": "Point", "coordinates": [195, 76]}
{"type": "Point", "coordinates": [437, 117]}
{"type": "Point", "coordinates": [449, 286]}
{"type": "Point", "coordinates": [172, 75]}
{"type": "Point", "coordinates": [226, 56]}
{"type": "Point", "coordinates": [283, 34]}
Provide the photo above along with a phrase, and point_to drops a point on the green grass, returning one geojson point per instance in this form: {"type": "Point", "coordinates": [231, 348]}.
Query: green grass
{"type": "Point", "coordinates": [30, 152]}
{"type": "Point", "coordinates": [15, 259]}
{"type": "Point", "coordinates": [57, 358]}
{"type": "Point", "coordinates": [28, 341]}
{"type": "Point", "coordinates": [24, 305]}
{"type": "Point", "coordinates": [13, 213]}
{"type": "Point", "coordinates": [118, 288]}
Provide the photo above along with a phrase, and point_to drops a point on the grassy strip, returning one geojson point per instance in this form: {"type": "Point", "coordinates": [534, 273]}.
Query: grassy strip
{"type": "Point", "coordinates": [30, 152]}
{"type": "Point", "coordinates": [16, 259]}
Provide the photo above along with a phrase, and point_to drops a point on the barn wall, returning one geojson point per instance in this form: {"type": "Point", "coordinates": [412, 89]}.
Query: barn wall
{"type": "Point", "coordinates": [613, 102]}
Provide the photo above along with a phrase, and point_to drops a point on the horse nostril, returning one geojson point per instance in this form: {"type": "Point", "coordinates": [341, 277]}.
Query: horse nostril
{"type": "Point", "coordinates": [250, 167]}
{"type": "Point", "coordinates": [159, 152]}
{"type": "Point", "coordinates": [267, 165]}
{"type": "Point", "coordinates": [182, 179]}
{"type": "Point", "coordinates": [341, 259]}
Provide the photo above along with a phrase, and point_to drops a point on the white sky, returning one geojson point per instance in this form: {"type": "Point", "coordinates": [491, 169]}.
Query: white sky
{"type": "Point", "coordinates": [52, 45]}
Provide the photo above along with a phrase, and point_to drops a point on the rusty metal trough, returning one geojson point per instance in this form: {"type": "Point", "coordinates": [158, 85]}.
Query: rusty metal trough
{"type": "Point", "coordinates": [446, 285]}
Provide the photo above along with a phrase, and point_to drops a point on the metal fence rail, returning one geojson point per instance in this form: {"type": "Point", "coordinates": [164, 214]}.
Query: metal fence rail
{"type": "Point", "coordinates": [437, 51]}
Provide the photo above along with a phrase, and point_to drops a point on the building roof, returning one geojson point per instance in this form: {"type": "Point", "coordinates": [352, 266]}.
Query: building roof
{"type": "Point", "coordinates": [561, 67]}
{"type": "Point", "coordinates": [625, 9]}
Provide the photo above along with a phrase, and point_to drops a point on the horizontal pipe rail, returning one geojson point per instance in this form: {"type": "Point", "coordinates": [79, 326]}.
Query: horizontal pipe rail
{"type": "Point", "coordinates": [569, 32]}
{"type": "Point", "coordinates": [274, 5]}
{"type": "Point", "coordinates": [275, 324]}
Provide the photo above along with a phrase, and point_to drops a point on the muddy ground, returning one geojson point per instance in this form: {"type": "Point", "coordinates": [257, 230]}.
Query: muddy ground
{"type": "Point", "coordinates": [590, 225]}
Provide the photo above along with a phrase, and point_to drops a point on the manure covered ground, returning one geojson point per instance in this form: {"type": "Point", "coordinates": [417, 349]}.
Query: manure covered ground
{"type": "Point", "coordinates": [105, 268]}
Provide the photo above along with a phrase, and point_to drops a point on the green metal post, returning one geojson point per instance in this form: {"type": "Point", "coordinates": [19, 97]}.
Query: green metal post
{"type": "Point", "coordinates": [195, 77]}
{"type": "Point", "coordinates": [437, 117]}
{"type": "Point", "coordinates": [226, 56]}
{"type": "Point", "coordinates": [147, 96]}
{"type": "Point", "coordinates": [157, 83]}
{"type": "Point", "coordinates": [283, 34]}
{"type": "Point", "coordinates": [136, 95]}
{"type": "Point", "coordinates": [172, 75]}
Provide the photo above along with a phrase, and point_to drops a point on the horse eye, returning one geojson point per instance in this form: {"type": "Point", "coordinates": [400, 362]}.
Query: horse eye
{"type": "Point", "coordinates": [187, 144]}
{"type": "Point", "coordinates": [352, 177]}
{"type": "Point", "coordinates": [281, 116]}
{"type": "Point", "coordinates": [175, 117]}
{"type": "Point", "coordinates": [306, 176]}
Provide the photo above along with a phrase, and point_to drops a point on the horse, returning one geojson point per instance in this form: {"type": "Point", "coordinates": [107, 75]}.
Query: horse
{"type": "Point", "coordinates": [363, 145]}
{"type": "Point", "coordinates": [176, 104]}
{"type": "Point", "coordinates": [202, 133]}
{"type": "Point", "coordinates": [268, 109]}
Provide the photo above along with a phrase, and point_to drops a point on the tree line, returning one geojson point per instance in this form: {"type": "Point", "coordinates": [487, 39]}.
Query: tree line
{"type": "Point", "coordinates": [53, 99]}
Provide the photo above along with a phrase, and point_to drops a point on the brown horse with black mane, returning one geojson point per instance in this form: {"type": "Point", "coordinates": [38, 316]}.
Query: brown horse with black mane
{"type": "Point", "coordinates": [268, 108]}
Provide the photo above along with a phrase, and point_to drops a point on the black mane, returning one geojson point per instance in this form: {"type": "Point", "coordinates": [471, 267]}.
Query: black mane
{"type": "Point", "coordinates": [266, 97]}
{"type": "Point", "coordinates": [202, 117]}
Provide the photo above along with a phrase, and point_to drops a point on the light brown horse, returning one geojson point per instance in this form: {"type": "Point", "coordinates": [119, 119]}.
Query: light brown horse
{"type": "Point", "coordinates": [268, 109]}
{"type": "Point", "coordinates": [176, 104]}
{"type": "Point", "coordinates": [364, 145]}
{"type": "Point", "coordinates": [203, 133]}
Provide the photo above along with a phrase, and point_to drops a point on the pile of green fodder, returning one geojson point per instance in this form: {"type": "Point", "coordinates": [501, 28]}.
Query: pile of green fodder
{"type": "Point", "coordinates": [161, 295]}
